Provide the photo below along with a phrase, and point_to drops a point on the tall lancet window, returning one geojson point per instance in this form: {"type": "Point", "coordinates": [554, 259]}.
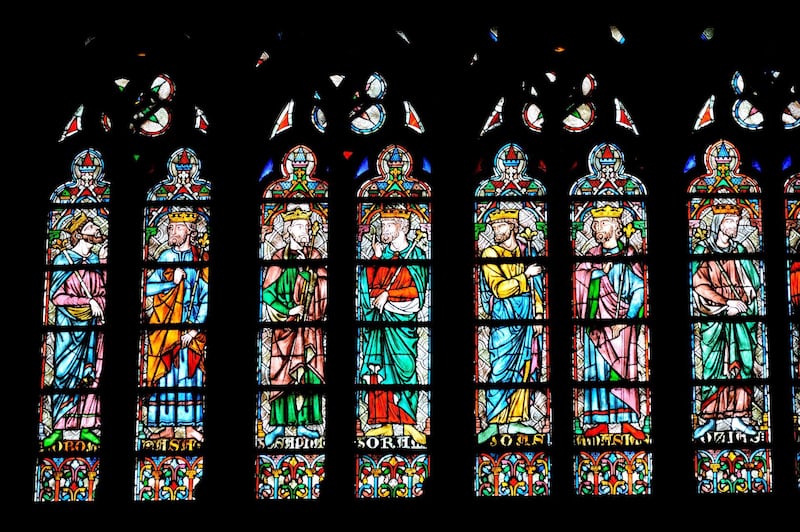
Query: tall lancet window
{"type": "Point", "coordinates": [730, 396]}
{"type": "Point", "coordinates": [73, 343]}
{"type": "Point", "coordinates": [171, 402]}
{"type": "Point", "coordinates": [610, 337]}
{"type": "Point", "coordinates": [292, 343]}
{"type": "Point", "coordinates": [792, 215]}
{"type": "Point", "coordinates": [393, 301]}
{"type": "Point", "coordinates": [512, 367]}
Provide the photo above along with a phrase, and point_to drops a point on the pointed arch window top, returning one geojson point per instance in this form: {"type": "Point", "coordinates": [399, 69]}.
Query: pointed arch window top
{"type": "Point", "coordinates": [395, 178]}
{"type": "Point", "coordinates": [510, 175]}
{"type": "Point", "coordinates": [722, 162]}
{"type": "Point", "coordinates": [298, 168]}
{"type": "Point", "coordinates": [88, 183]}
{"type": "Point", "coordinates": [792, 185]}
{"type": "Point", "coordinates": [183, 181]}
{"type": "Point", "coordinates": [607, 177]}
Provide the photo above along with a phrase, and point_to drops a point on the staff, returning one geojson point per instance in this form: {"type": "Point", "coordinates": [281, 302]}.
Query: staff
{"type": "Point", "coordinates": [312, 276]}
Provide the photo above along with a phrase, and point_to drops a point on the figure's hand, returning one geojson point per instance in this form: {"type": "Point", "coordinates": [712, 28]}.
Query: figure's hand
{"type": "Point", "coordinates": [88, 380]}
{"type": "Point", "coordinates": [380, 301]}
{"type": "Point", "coordinates": [607, 267]}
{"type": "Point", "coordinates": [297, 310]}
{"type": "Point", "coordinates": [377, 249]}
{"type": "Point", "coordinates": [735, 307]}
{"type": "Point", "coordinates": [533, 269]}
{"type": "Point", "coordinates": [617, 328]}
{"type": "Point", "coordinates": [187, 337]}
{"type": "Point", "coordinates": [97, 310]}
{"type": "Point", "coordinates": [102, 253]}
{"type": "Point", "coordinates": [179, 275]}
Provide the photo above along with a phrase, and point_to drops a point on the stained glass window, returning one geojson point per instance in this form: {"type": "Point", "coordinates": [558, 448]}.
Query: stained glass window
{"type": "Point", "coordinates": [729, 350]}
{"type": "Point", "coordinates": [380, 232]}
{"type": "Point", "coordinates": [73, 345]}
{"type": "Point", "coordinates": [512, 366]}
{"type": "Point", "coordinates": [170, 413]}
{"type": "Point", "coordinates": [611, 345]}
{"type": "Point", "coordinates": [792, 216]}
{"type": "Point", "coordinates": [292, 343]}
{"type": "Point", "coordinates": [543, 287]}
{"type": "Point", "coordinates": [345, 397]}
{"type": "Point", "coordinates": [393, 301]}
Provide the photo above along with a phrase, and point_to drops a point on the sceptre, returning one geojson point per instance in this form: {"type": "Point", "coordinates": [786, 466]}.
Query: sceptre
{"type": "Point", "coordinates": [307, 293]}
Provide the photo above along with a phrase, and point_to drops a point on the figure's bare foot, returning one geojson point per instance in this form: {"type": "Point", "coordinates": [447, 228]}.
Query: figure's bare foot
{"type": "Point", "coordinates": [739, 425]}
{"type": "Point", "coordinates": [491, 430]}
{"type": "Point", "coordinates": [383, 430]}
{"type": "Point", "coordinates": [192, 432]}
{"type": "Point", "coordinates": [419, 437]}
{"type": "Point", "coordinates": [166, 432]}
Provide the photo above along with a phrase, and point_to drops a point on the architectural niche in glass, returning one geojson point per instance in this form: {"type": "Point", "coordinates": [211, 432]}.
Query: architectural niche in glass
{"type": "Point", "coordinates": [512, 368]}
{"type": "Point", "coordinates": [730, 397]}
{"type": "Point", "coordinates": [393, 300]}
{"type": "Point", "coordinates": [610, 335]}
{"type": "Point", "coordinates": [292, 342]}
{"type": "Point", "coordinates": [74, 318]}
{"type": "Point", "coordinates": [171, 382]}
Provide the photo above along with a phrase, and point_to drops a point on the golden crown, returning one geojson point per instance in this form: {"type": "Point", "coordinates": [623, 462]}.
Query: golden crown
{"type": "Point", "coordinates": [296, 214]}
{"type": "Point", "coordinates": [504, 214]}
{"type": "Point", "coordinates": [394, 212]}
{"type": "Point", "coordinates": [725, 208]}
{"type": "Point", "coordinates": [182, 216]}
{"type": "Point", "coordinates": [77, 222]}
{"type": "Point", "coordinates": [607, 211]}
